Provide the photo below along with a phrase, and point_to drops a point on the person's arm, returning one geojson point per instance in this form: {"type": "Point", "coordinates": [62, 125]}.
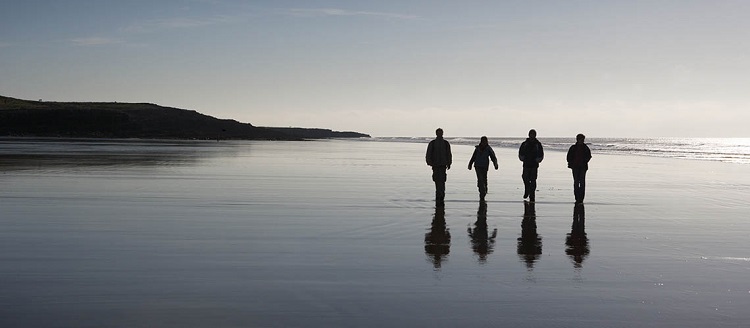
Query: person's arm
{"type": "Point", "coordinates": [428, 155]}
{"type": "Point", "coordinates": [588, 154]}
{"type": "Point", "coordinates": [473, 157]}
{"type": "Point", "coordinates": [521, 155]}
{"type": "Point", "coordinates": [450, 156]}
{"type": "Point", "coordinates": [493, 157]}
{"type": "Point", "coordinates": [569, 157]}
{"type": "Point", "coordinates": [540, 155]}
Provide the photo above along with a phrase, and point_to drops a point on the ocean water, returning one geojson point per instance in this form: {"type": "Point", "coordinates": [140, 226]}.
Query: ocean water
{"type": "Point", "coordinates": [344, 233]}
{"type": "Point", "coordinates": [731, 150]}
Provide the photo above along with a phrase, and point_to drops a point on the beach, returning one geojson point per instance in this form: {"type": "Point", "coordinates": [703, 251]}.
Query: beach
{"type": "Point", "coordinates": [345, 233]}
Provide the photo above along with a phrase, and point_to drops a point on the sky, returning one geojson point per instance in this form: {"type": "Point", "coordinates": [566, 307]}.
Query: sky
{"type": "Point", "coordinates": [657, 68]}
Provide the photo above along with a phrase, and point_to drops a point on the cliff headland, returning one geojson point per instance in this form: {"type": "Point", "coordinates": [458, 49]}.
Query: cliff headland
{"type": "Point", "coordinates": [26, 118]}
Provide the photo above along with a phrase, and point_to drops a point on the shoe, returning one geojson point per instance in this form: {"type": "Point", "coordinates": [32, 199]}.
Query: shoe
{"type": "Point", "coordinates": [526, 195]}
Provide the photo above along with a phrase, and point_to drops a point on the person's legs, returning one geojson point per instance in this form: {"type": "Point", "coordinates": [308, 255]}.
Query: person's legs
{"type": "Point", "coordinates": [481, 181]}
{"type": "Point", "coordinates": [582, 183]}
{"type": "Point", "coordinates": [575, 184]}
{"type": "Point", "coordinates": [579, 184]}
{"type": "Point", "coordinates": [532, 183]}
{"type": "Point", "coordinates": [526, 182]}
{"type": "Point", "coordinates": [439, 176]}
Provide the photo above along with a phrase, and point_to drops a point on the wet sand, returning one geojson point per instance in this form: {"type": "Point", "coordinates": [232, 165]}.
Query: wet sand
{"type": "Point", "coordinates": [345, 233]}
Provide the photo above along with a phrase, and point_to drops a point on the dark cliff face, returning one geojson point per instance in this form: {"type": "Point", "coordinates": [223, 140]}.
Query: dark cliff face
{"type": "Point", "coordinates": [132, 120]}
{"type": "Point", "coordinates": [319, 133]}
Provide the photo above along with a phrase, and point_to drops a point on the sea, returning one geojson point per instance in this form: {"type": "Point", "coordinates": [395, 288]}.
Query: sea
{"type": "Point", "coordinates": [345, 233]}
{"type": "Point", "coordinates": [731, 150]}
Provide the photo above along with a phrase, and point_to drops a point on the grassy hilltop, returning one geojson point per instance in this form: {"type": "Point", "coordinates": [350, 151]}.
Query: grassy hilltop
{"type": "Point", "coordinates": [25, 118]}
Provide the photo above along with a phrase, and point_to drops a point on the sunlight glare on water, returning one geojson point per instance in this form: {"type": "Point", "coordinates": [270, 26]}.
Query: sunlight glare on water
{"type": "Point", "coordinates": [344, 233]}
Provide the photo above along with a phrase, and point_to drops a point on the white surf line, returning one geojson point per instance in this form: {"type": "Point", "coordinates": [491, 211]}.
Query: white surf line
{"type": "Point", "coordinates": [726, 258]}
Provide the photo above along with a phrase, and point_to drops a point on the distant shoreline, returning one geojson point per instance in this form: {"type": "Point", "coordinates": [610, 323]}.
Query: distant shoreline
{"type": "Point", "coordinates": [44, 119]}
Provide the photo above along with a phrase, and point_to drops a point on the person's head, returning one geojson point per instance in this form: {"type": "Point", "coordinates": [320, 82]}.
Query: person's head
{"type": "Point", "coordinates": [439, 132]}
{"type": "Point", "coordinates": [483, 141]}
{"type": "Point", "coordinates": [532, 133]}
{"type": "Point", "coordinates": [580, 137]}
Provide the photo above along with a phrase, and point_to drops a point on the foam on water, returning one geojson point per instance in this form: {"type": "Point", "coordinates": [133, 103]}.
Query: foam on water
{"type": "Point", "coordinates": [731, 150]}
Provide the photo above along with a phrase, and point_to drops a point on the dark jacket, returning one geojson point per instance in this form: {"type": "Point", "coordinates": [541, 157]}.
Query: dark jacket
{"type": "Point", "coordinates": [531, 153]}
{"type": "Point", "coordinates": [439, 153]}
{"type": "Point", "coordinates": [579, 156]}
{"type": "Point", "coordinates": [481, 157]}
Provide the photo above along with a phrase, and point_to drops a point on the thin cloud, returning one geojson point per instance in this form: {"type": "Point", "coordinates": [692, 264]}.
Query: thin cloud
{"type": "Point", "coordinates": [94, 41]}
{"type": "Point", "coordinates": [326, 12]}
{"type": "Point", "coordinates": [178, 23]}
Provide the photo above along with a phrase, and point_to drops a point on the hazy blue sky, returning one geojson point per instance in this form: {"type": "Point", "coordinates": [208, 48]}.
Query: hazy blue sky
{"type": "Point", "coordinates": [397, 67]}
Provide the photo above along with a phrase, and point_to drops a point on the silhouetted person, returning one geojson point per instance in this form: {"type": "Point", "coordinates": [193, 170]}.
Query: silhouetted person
{"type": "Point", "coordinates": [576, 241]}
{"type": "Point", "coordinates": [530, 243]}
{"type": "Point", "coordinates": [437, 242]}
{"type": "Point", "coordinates": [481, 242]}
{"type": "Point", "coordinates": [440, 158]}
{"type": "Point", "coordinates": [579, 156]}
{"type": "Point", "coordinates": [483, 153]}
{"type": "Point", "coordinates": [531, 153]}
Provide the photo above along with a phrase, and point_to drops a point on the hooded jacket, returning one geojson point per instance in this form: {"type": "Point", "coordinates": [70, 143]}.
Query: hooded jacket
{"type": "Point", "coordinates": [531, 153]}
{"type": "Point", "coordinates": [481, 157]}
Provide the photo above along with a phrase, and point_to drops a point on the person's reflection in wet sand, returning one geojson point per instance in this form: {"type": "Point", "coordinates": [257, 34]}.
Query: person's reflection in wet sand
{"type": "Point", "coordinates": [437, 242]}
{"type": "Point", "coordinates": [530, 243]}
{"type": "Point", "coordinates": [482, 243]}
{"type": "Point", "coordinates": [576, 241]}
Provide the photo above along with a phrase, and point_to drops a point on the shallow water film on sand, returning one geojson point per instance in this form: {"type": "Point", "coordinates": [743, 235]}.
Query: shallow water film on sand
{"type": "Point", "coordinates": [346, 234]}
